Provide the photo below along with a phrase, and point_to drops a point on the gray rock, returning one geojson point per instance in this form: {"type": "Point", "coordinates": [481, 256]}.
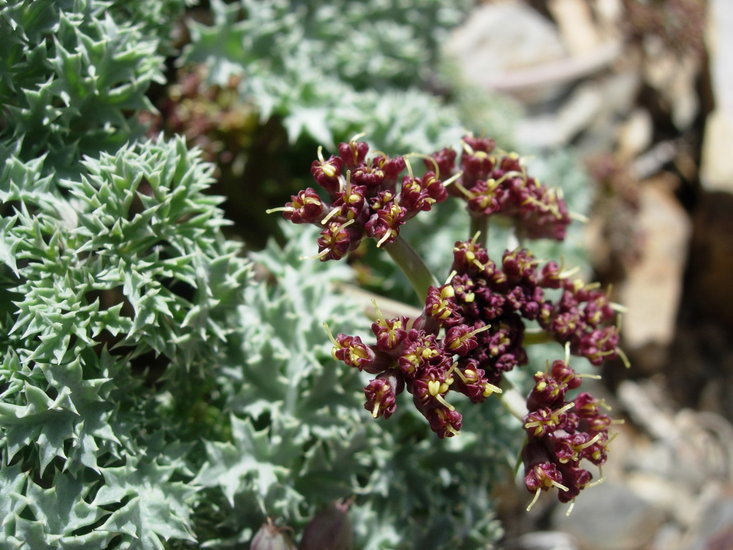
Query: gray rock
{"type": "Point", "coordinates": [715, 528]}
{"type": "Point", "coordinates": [542, 540]}
{"type": "Point", "coordinates": [610, 517]}
{"type": "Point", "coordinates": [500, 38]}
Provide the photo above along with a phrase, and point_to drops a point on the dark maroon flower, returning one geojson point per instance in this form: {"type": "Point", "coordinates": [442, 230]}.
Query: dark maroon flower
{"type": "Point", "coordinates": [444, 421]}
{"type": "Point", "coordinates": [305, 207]}
{"type": "Point", "coordinates": [440, 303]}
{"type": "Point", "coordinates": [353, 153]}
{"type": "Point", "coordinates": [337, 239]}
{"type": "Point", "coordinates": [381, 395]}
{"type": "Point", "coordinates": [389, 332]}
{"type": "Point", "coordinates": [326, 173]}
{"type": "Point", "coordinates": [384, 224]}
{"type": "Point", "coordinates": [445, 159]}
{"type": "Point", "coordinates": [352, 351]}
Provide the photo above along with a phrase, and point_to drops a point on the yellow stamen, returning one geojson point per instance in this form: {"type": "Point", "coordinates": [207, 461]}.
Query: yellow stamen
{"type": "Point", "coordinates": [535, 499]}
{"type": "Point", "coordinates": [280, 209]}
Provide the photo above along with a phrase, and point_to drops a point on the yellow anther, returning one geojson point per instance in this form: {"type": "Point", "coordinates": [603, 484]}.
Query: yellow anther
{"type": "Point", "coordinates": [434, 387]}
{"type": "Point", "coordinates": [490, 388]}
{"type": "Point", "coordinates": [428, 353]}
{"type": "Point", "coordinates": [328, 169]}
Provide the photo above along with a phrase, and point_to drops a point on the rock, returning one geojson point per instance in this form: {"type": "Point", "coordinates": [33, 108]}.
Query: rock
{"type": "Point", "coordinates": [555, 130]}
{"type": "Point", "coordinates": [719, 41]}
{"type": "Point", "coordinates": [610, 517]}
{"type": "Point", "coordinates": [591, 110]}
{"type": "Point", "coordinates": [717, 161]}
{"type": "Point", "coordinates": [652, 290]}
{"type": "Point", "coordinates": [575, 21]}
{"type": "Point", "coordinates": [542, 540]}
{"type": "Point", "coordinates": [674, 77]}
{"type": "Point", "coordinates": [716, 171]}
{"type": "Point", "coordinates": [609, 14]}
{"type": "Point", "coordinates": [714, 530]}
{"type": "Point", "coordinates": [500, 38]}
{"type": "Point", "coordinates": [635, 134]}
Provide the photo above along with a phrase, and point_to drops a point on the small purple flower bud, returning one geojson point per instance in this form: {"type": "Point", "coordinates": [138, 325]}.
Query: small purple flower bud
{"type": "Point", "coordinates": [353, 153]}
{"type": "Point", "coordinates": [446, 161]}
{"type": "Point", "coordinates": [547, 392]}
{"type": "Point", "coordinates": [391, 167]}
{"type": "Point", "coordinates": [468, 257]}
{"type": "Point", "coordinates": [305, 207]}
{"type": "Point", "coordinates": [519, 265]}
{"type": "Point", "coordinates": [542, 476]}
{"type": "Point", "coordinates": [485, 197]}
{"type": "Point", "coordinates": [421, 193]}
{"type": "Point", "coordinates": [421, 351]}
{"type": "Point", "coordinates": [440, 303]}
{"type": "Point", "coordinates": [565, 375]}
{"type": "Point", "coordinates": [550, 275]}
{"type": "Point", "coordinates": [476, 161]}
{"type": "Point", "coordinates": [389, 332]}
{"type": "Point", "coordinates": [352, 201]}
{"type": "Point", "coordinates": [444, 421]}
{"type": "Point", "coordinates": [381, 396]}
{"type": "Point", "coordinates": [575, 479]}
{"type": "Point", "coordinates": [460, 339]}
{"type": "Point", "coordinates": [471, 381]}
{"type": "Point", "coordinates": [368, 176]}
{"type": "Point", "coordinates": [540, 422]}
{"type": "Point", "coordinates": [384, 225]}
{"type": "Point", "coordinates": [352, 351]}
{"type": "Point", "coordinates": [337, 239]}
{"type": "Point", "coordinates": [326, 173]}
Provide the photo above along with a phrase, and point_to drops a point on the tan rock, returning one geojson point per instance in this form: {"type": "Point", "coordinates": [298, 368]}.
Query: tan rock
{"type": "Point", "coordinates": [575, 21]}
{"type": "Point", "coordinates": [635, 134]}
{"type": "Point", "coordinates": [652, 290]}
{"type": "Point", "coordinates": [716, 171]}
{"type": "Point", "coordinates": [717, 154]}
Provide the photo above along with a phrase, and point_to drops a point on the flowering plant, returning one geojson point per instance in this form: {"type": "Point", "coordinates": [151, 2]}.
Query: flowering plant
{"type": "Point", "coordinates": [472, 329]}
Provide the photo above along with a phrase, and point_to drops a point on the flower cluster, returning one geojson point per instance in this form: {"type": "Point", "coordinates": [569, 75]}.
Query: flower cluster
{"type": "Point", "coordinates": [583, 318]}
{"type": "Point", "coordinates": [472, 329]}
{"type": "Point", "coordinates": [363, 198]}
{"type": "Point", "coordinates": [493, 182]}
{"type": "Point", "coordinates": [561, 434]}
{"type": "Point", "coordinates": [470, 332]}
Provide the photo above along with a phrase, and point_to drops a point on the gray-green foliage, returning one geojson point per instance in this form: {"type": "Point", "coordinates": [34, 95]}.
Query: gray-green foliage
{"type": "Point", "coordinates": [116, 288]}
{"type": "Point", "coordinates": [73, 79]}
{"type": "Point", "coordinates": [152, 393]}
{"type": "Point", "coordinates": [331, 69]}
{"type": "Point", "coordinates": [301, 437]}
{"type": "Point", "coordinates": [122, 293]}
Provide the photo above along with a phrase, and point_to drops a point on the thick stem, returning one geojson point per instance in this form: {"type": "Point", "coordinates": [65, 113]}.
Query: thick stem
{"type": "Point", "coordinates": [480, 225]}
{"type": "Point", "coordinates": [412, 266]}
{"type": "Point", "coordinates": [540, 337]}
